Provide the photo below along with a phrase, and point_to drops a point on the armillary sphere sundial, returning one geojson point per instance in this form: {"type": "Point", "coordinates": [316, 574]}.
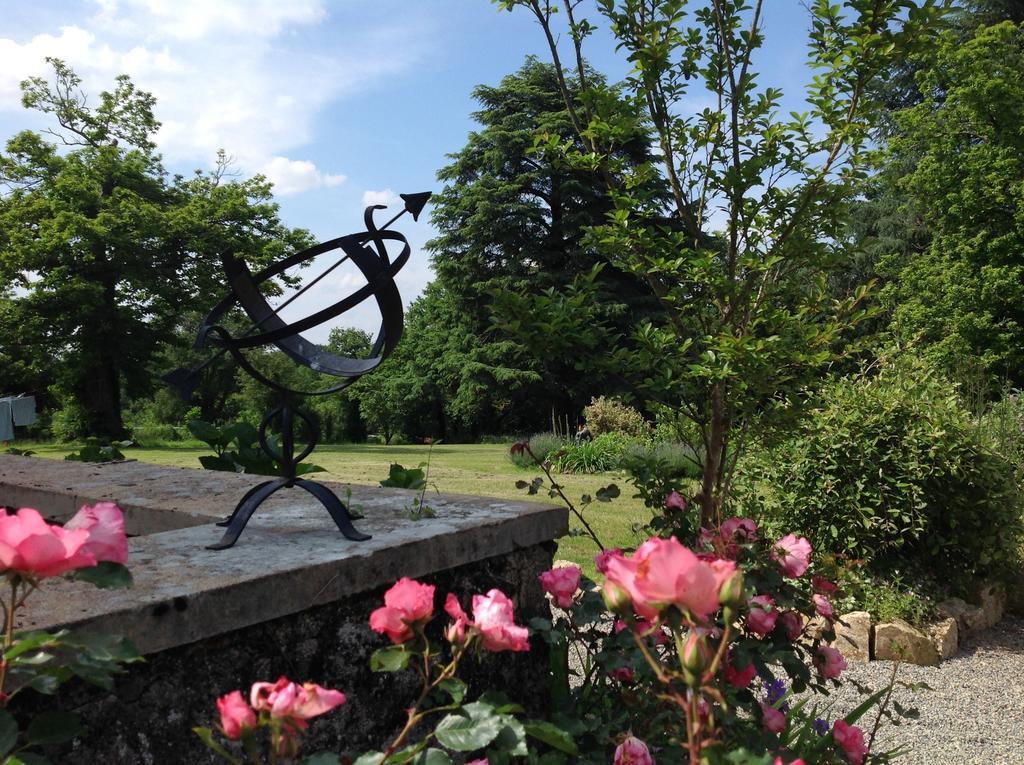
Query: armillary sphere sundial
{"type": "Point", "coordinates": [368, 251]}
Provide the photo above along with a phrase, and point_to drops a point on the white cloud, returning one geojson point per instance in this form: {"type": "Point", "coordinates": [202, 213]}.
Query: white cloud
{"type": "Point", "coordinates": [293, 176]}
{"type": "Point", "coordinates": [228, 74]}
{"type": "Point", "coordinates": [383, 197]}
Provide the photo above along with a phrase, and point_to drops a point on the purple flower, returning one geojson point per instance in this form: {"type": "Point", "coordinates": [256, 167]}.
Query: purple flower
{"type": "Point", "coordinates": [775, 690]}
{"type": "Point", "coordinates": [820, 726]}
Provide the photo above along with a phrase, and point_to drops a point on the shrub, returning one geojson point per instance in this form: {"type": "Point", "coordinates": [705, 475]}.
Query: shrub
{"type": "Point", "coordinates": [1002, 426]}
{"type": "Point", "coordinates": [602, 453]}
{"type": "Point", "coordinates": [543, 445]}
{"type": "Point", "coordinates": [609, 415]}
{"type": "Point", "coordinates": [889, 467]}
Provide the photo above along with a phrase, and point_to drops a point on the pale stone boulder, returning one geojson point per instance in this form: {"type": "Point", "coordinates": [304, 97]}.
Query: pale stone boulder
{"type": "Point", "coordinates": [946, 637]}
{"type": "Point", "coordinates": [898, 641]}
{"type": "Point", "coordinates": [992, 602]}
{"type": "Point", "coordinates": [969, 618]}
{"type": "Point", "coordinates": [853, 635]}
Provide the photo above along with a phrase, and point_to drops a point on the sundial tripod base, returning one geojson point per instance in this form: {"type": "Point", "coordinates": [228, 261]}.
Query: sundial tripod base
{"type": "Point", "coordinates": [236, 522]}
{"type": "Point", "coordinates": [284, 454]}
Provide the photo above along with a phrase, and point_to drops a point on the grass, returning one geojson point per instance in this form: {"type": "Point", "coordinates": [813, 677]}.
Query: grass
{"type": "Point", "coordinates": [482, 469]}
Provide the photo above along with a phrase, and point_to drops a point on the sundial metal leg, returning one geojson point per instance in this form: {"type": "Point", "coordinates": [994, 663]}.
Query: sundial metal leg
{"type": "Point", "coordinates": [335, 507]}
{"type": "Point", "coordinates": [227, 521]}
{"type": "Point", "coordinates": [243, 512]}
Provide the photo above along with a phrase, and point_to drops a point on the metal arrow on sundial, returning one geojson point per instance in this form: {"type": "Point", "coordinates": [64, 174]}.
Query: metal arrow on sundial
{"type": "Point", "coordinates": [185, 380]}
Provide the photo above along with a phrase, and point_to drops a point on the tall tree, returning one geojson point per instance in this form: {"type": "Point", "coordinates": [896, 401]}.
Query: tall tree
{"type": "Point", "coordinates": [509, 219]}
{"type": "Point", "coordinates": [962, 296]}
{"type": "Point", "coordinates": [107, 250]}
{"type": "Point", "coordinates": [739, 258]}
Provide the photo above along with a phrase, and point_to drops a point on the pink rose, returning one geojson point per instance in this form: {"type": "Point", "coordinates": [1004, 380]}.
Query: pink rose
{"type": "Point", "coordinates": [792, 625]}
{"type": "Point", "coordinates": [632, 751]}
{"type": "Point", "coordinates": [822, 606]}
{"type": "Point", "coordinates": [31, 546]}
{"type": "Point", "coordinates": [793, 555]}
{"type": "Point", "coordinates": [772, 720]}
{"type": "Point", "coordinates": [492, 614]}
{"type": "Point", "coordinates": [105, 524]}
{"type": "Point", "coordinates": [829, 661]}
{"type": "Point", "coordinates": [820, 584]}
{"type": "Point", "coordinates": [623, 675]}
{"type": "Point", "coordinates": [850, 739]}
{"type": "Point", "coordinates": [561, 584]}
{"type": "Point", "coordinates": [482, 761]}
{"type": "Point", "coordinates": [602, 558]}
{"type": "Point", "coordinates": [737, 678]}
{"type": "Point", "coordinates": [762, 616]}
{"type": "Point", "coordinates": [739, 529]}
{"type": "Point", "coordinates": [455, 633]}
{"type": "Point", "coordinates": [675, 501]}
{"type": "Point", "coordinates": [662, 573]}
{"type": "Point", "coordinates": [407, 602]}
{"type": "Point", "coordinates": [235, 715]}
{"type": "Point", "coordinates": [798, 761]}
{"type": "Point", "coordinates": [293, 702]}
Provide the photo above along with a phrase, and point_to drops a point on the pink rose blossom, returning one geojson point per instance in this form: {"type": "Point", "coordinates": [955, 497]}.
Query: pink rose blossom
{"type": "Point", "coordinates": [792, 625]}
{"type": "Point", "coordinates": [772, 720]}
{"type": "Point", "coordinates": [822, 606]}
{"type": "Point", "coordinates": [798, 761]}
{"type": "Point", "coordinates": [105, 524]}
{"type": "Point", "coordinates": [31, 546]}
{"type": "Point", "coordinates": [850, 739]}
{"type": "Point", "coordinates": [492, 614]}
{"type": "Point", "coordinates": [235, 715]}
{"type": "Point", "coordinates": [762, 616]}
{"type": "Point", "coordinates": [632, 751]}
{"type": "Point", "coordinates": [820, 584]}
{"type": "Point", "coordinates": [662, 572]}
{"type": "Point", "coordinates": [482, 761]}
{"type": "Point", "coordinates": [623, 675]}
{"type": "Point", "coordinates": [675, 501]}
{"type": "Point", "coordinates": [407, 602]}
{"type": "Point", "coordinates": [793, 555]}
{"type": "Point", "coordinates": [602, 558]}
{"type": "Point", "coordinates": [739, 529]}
{"type": "Point", "coordinates": [561, 584]}
{"type": "Point", "coordinates": [737, 678]}
{"type": "Point", "coordinates": [293, 702]}
{"type": "Point", "coordinates": [455, 632]}
{"type": "Point", "coordinates": [829, 661]}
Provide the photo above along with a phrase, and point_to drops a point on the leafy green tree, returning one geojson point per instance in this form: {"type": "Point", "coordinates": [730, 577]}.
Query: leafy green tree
{"type": "Point", "coordinates": [739, 258]}
{"type": "Point", "coordinates": [107, 250]}
{"type": "Point", "coordinates": [508, 220]}
{"type": "Point", "coordinates": [962, 297]}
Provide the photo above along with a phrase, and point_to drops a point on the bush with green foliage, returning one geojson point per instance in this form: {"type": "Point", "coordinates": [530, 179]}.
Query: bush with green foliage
{"type": "Point", "coordinates": [598, 455]}
{"type": "Point", "coordinates": [1002, 425]}
{"type": "Point", "coordinates": [891, 468]}
{"type": "Point", "coordinates": [544, 445]}
{"type": "Point", "coordinates": [237, 450]}
{"type": "Point", "coordinates": [609, 415]}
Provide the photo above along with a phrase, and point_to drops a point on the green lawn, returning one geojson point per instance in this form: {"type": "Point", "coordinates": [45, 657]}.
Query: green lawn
{"type": "Point", "coordinates": [459, 468]}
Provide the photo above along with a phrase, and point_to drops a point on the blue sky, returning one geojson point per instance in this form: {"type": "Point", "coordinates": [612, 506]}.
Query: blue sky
{"type": "Point", "coordinates": [339, 102]}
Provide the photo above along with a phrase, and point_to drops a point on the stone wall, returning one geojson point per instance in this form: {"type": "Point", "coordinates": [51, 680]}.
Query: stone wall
{"type": "Point", "coordinates": [148, 717]}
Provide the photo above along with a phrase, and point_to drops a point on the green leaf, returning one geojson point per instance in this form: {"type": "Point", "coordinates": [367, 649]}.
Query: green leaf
{"type": "Point", "coordinates": [551, 735]}
{"type": "Point", "coordinates": [28, 641]}
{"type": "Point", "coordinates": [211, 462]}
{"type": "Point", "coordinates": [433, 757]}
{"type": "Point", "coordinates": [106, 575]}
{"type": "Point", "coordinates": [321, 758]}
{"type": "Point", "coordinates": [27, 758]}
{"type": "Point", "coordinates": [208, 434]}
{"type": "Point", "coordinates": [391, 658]}
{"type": "Point", "coordinates": [370, 758]}
{"type": "Point", "coordinates": [466, 734]}
{"type": "Point", "coordinates": [54, 727]}
{"type": "Point", "coordinates": [8, 732]}
{"type": "Point", "coordinates": [455, 688]}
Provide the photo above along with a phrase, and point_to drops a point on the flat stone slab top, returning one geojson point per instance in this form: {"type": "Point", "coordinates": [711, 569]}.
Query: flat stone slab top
{"type": "Point", "coordinates": [290, 557]}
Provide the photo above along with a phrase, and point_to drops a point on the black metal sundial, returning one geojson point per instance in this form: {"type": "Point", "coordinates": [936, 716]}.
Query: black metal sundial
{"type": "Point", "coordinates": [368, 252]}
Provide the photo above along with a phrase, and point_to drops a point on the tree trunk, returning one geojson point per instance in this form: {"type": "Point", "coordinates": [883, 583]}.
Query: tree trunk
{"type": "Point", "coordinates": [714, 460]}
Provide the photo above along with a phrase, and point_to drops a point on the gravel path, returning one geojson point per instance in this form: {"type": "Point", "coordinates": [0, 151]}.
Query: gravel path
{"type": "Point", "coordinates": [974, 713]}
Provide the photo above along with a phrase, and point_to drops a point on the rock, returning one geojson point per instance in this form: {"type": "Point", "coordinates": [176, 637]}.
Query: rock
{"type": "Point", "coordinates": [898, 641]}
{"type": "Point", "coordinates": [853, 635]}
{"type": "Point", "coordinates": [992, 601]}
{"type": "Point", "coordinates": [969, 618]}
{"type": "Point", "coordinates": [946, 637]}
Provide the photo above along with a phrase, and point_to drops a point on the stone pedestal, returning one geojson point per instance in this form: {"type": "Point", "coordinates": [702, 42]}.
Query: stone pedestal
{"type": "Point", "coordinates": [292, 597]}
